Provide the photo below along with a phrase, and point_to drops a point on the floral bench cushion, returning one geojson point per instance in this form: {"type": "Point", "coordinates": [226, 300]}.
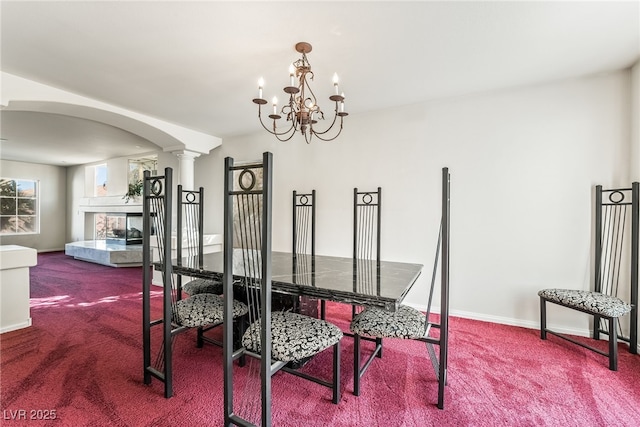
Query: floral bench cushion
{"type": "Point", "coordinates": [203, 286]}
{"type": "Point", "coordinates": [591, 302]}
{"type": "Point", "coordinates": [204, 309]}
{"type": "Point", "coordinates": [405, 322]}
{"type": "Point", "coordinates": [294, 337]}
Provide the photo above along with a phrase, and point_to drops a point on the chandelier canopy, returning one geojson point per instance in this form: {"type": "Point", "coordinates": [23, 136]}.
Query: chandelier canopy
{"type": "Point", "coordinates": [302, 109]}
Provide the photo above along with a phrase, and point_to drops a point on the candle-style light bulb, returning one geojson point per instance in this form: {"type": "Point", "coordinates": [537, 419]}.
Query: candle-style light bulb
{"type": "Point", "coordinates": [342, 104]}
{"type": "Point", "coordinates": [335, 82]}
{"type": "Point", "coordinates": [275, 105]}
{"type": "Point", "coordinates": [291, 75]}
{"type": "Point", "coordinates": [260, 85]}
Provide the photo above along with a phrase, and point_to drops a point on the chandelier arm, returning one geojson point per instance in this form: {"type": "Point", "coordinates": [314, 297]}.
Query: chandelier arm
{"type": "Point", "coordinates": [273, 132]}
{"type": "Point", "coordinates": [313, 95]}
{"type": "Point", "coordinates": [318, 135]}
{"type": "Point", "coordinates": [335, 116]}
{"type": "Point", "coordinates": [278, 135]}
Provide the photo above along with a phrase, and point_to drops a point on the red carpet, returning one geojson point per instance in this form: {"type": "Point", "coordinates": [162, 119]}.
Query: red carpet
{"type": "Point", "coordinates": [82, 362]}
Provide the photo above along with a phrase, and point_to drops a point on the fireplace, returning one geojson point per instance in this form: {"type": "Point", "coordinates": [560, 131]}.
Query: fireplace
{"type": "Point", "coordinates": [124, 228]}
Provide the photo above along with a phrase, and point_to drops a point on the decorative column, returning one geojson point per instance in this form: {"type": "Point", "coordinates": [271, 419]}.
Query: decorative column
{"type": "Point", "coordinates": [187, 161]}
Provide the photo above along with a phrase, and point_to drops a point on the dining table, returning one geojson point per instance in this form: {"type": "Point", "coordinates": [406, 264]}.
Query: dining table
{"type": "Point", "coordinates": [381, 284]}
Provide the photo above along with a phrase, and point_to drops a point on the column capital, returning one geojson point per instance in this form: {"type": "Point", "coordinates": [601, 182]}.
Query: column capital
{"type": "Point", "coordinates": [186, 154]}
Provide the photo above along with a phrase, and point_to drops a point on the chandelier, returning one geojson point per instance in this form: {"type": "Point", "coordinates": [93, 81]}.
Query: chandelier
{"type": "Point", "coordinates": [302, 109]}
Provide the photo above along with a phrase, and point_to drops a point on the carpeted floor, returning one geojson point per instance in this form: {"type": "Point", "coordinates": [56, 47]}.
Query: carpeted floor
{"type": "Point", "coordinates": [81, 363]}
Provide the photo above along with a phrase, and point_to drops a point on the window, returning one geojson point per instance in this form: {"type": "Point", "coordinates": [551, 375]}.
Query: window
{"type": "Point", "coordinates": [138, 166]}
{"type": "Point", "coordinates": [100, 220]}
{"type": "Point", "coordinates": [100, 180]}
{"type": "Point", "coordinates": [18, 206]}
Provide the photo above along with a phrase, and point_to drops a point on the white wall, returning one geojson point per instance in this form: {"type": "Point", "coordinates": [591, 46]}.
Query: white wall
{"type": "Point", "coordinates": [53, 197]}
{"type": "Point", "coordinates": [523, 165]}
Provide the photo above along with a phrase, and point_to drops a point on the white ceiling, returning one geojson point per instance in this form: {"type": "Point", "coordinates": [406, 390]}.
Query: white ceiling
{"type": "Point", "coordinates": [196, 64]}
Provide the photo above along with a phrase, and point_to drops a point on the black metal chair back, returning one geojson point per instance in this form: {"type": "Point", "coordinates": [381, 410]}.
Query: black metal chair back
{"type": "Point", "coordinates": [247, 256]}
{"type": "Point", "coordinates": [367, 207]}
{"type": "Point", "coordinates": [304, 223]}
{"type": "Point", "coordinates": [157, 199]}
{"type": "Point", "coordinates": [190, 238]}
{"type": "Point", "coordinates": [190, 226]}
{"type": "Point", "coordinates": [616, 216]}
{"type": "Point", "coordinates": [304, 249]}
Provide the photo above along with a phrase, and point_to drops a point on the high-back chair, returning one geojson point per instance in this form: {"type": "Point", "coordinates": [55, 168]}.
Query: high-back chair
{"type": "Point", "coordinates": [178, 314]}
{"type": "Point", "coordinates": [407, 322]}
{"type": "Point", "coordinates": [275, 338]}
{"type": "Point", "coordinates": [190, 240]}
{"type": "Point", "coordinates": [616, 275]}
{"type": "Point", "coordinates": [190, 250]}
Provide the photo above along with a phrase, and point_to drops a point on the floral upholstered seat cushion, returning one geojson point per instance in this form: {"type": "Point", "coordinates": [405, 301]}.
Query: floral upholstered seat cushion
{"type": "Point", "coordinates": [293, 336]}
{"type": "Point", "coordinates": [203, 286]}
{"type": "Point", "coordinates": [405, 322]}
{"type": "Point", "coordinates": [203, 310]}
{"type": "Point", "coordinates": [592, 302]}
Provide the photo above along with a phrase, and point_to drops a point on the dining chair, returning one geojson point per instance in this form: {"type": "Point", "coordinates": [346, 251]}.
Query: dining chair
{"type": "Point", "coordinates": [409, 323]}
{"type": "Point", "coordinates": [190, 250]}
{"type": "Point", "coordinates": [274, 338]}
{"type": "Point", "coordinates": [616, 216]}
{"type": "Point", "coordinates": [367, 226]}
{"type": "Point", "coordinates": [178, 314]}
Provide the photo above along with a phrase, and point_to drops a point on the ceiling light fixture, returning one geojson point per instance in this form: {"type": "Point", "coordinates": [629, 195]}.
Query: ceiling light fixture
{"type": "Point", "coordinates": [302, 110]}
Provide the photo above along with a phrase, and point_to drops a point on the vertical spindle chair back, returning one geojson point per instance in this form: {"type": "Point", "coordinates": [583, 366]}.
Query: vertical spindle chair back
{"type": "Point", "coordinates": [190, 241]}
{"type": "Point", "coordinates": [304, 223]}
{"type": "Point", "coordinates": [367, 222]}
{"type": "Point", "coordinates": [367, 209]}
{"type": "Point", "coordinates": [617, 218]}
{"type": "Point", "coordinates": [157, 197]}
{"type": "Point", "coordinates": [303, 246]}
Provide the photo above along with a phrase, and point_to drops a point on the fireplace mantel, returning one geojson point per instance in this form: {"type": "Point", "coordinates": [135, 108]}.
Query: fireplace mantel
{"type": "Point", "coordinates": [110, 204]}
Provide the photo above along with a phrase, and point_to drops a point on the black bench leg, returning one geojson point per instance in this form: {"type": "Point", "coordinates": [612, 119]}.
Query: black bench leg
{"type": "Point", "coordinates": [596, 327]}
{"type": "Point", "coordinates": [200, 339]}
{"type": "Point", "coordinates": [543, 318]}
{"type": "Point", "coordinates": [613, 345]}
{"type": "Point", "coordinates": [356, 365]}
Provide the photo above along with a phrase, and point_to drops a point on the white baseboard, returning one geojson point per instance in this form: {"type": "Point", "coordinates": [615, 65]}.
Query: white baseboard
{"type": "Point", "coordinates": [507, 321]}
{"type": "Point", "coordinates": [16, 326]}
